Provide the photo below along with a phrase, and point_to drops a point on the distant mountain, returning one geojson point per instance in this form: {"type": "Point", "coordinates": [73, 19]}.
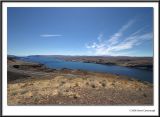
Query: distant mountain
{"type": "Point", "coordinates": [11, 56]}
{"type": "Point", "coordinates": [102, 56]}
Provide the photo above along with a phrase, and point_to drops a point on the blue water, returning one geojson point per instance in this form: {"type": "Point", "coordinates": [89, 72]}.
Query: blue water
{"type": "Point", "coordinates": [144, 75]}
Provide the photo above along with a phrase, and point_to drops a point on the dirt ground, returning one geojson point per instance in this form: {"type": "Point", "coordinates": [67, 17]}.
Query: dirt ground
{"type": "Point", "coordinates": [33, 84]}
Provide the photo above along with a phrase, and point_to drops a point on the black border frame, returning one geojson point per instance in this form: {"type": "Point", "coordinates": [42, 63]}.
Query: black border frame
{"type": "Point", "coordinates": [80, 0]}
{"type": "Point", "coordinates": [1, 13]}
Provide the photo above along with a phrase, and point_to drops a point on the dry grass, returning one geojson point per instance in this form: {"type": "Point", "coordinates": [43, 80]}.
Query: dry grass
{"type": "Point", "coordinates": [35, 90]}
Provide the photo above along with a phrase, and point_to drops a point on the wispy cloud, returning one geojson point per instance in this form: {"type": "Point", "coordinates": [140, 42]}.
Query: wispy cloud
{"type": "Point", "coordinates": [50, 35]}
{"type": "Point", "coordinates": [114, 38]}
{"type": "Point", "coordinates": [130, 42]}
{"type": "Point", "coordinates": [114, 44]}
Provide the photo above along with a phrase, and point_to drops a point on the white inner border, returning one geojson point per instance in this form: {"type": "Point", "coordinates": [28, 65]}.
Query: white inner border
{"type": "Point", "coordinates": [78, 110]}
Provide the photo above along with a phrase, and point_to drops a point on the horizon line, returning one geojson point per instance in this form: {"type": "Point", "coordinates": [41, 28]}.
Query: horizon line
{"type": "Point", "coordinates": [75, 55]}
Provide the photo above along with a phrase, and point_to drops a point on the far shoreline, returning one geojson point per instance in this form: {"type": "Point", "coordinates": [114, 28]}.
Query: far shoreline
{"type": "Point", "coordinates": [126, 61]}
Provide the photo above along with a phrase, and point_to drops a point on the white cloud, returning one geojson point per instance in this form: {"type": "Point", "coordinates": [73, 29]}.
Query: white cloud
{"type": "Point", "coordinates": [137, 32]}
{"type": "Point", "coordinates": [114, 44]}
{"type": "Point", "coordinates": [114, 38]}
{"type": "Point", "coordinates": [50, 35]}
{"type": "Point", "coordinates": [100, 37]}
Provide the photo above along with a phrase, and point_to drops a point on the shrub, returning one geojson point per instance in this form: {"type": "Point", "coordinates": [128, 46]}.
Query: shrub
{"type": "Point", "coordinates": [103, 84]}
{"type": "Point", "coordinates": [76, 84]}
{"type": "Point", "coordinates": [87, 83]}
{"type": "Point", "coordinates": [75, 96]}
{"type": "Point", "coordinates": [23, 91]}
{"type": "Point", "coordinates": [144, 95]}
{"type": "Point", "coordinates": [93, 86]}
{"type": "Point", "coordinates": [16, 66]}
{"type": "Point", "coordinates": [63, 82]}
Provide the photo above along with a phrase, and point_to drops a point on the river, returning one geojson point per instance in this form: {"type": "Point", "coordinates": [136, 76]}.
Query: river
{"type": "Point", "coordinates": [140, 74]}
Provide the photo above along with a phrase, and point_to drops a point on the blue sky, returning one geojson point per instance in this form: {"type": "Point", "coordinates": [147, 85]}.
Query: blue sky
{"type": "Point", "coordinates": [80, 31]}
